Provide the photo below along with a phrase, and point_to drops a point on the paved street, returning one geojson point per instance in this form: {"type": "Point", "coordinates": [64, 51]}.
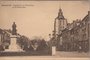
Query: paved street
{"type": "Point", "coordinates": [58, 56]}
{"type": "Point", "coordinates": [64, 54]}
{"type": "Point", "coordinates": [72, 54]}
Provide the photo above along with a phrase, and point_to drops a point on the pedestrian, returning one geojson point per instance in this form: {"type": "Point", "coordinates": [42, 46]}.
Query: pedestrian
{"type": "Point", "coordinates": [1, 47]}
{"type": "Point", "coordinates": [80, 48]}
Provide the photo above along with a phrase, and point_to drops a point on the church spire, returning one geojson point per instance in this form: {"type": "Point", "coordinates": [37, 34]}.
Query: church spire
{"type": "Point", "coordinates": [60, 14]}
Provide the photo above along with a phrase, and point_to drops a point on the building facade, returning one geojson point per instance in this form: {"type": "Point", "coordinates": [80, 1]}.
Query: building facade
{"type": "Point", "coordinates": [4, 40]}
{"type": "Point", "coordinates": [76, 36]}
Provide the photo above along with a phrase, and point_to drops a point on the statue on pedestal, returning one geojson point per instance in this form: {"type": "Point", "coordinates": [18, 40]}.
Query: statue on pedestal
{"type": "Point", "coordinates": [14, 30]}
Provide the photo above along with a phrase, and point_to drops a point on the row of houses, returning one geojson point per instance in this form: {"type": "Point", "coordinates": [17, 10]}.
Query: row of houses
{"type": "Point", "coordinates": [76, 36]}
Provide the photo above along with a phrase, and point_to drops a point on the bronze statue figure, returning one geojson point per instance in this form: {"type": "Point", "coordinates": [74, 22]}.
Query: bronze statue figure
{"type": "Point", "coordinates": [14, 30]}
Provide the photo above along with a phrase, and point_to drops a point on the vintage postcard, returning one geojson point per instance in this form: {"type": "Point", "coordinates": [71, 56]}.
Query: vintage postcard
{"type": "Point", "coordinates": [37, 29]}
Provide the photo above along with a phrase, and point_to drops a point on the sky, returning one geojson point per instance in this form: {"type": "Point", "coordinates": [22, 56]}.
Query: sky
{"type": "Point", "coordinates": [36, 18]}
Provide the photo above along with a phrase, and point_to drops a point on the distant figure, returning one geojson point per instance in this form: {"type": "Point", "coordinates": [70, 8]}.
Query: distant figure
{"type": "Point", "coordinates": [14, 30]}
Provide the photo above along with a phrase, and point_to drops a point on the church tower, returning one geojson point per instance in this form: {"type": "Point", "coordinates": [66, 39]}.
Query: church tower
{"type": "Point", "coordinates": [60, 23]}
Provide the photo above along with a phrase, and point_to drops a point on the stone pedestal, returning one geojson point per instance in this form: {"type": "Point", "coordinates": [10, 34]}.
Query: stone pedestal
{"type": "Point", "coordinates": [13, 47]}
{"type": "Point", "coordinates": [53, 50]}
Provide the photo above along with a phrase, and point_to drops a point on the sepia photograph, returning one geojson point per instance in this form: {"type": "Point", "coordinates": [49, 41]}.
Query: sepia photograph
{"type": "Point", "coordinates": [44, 29]}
